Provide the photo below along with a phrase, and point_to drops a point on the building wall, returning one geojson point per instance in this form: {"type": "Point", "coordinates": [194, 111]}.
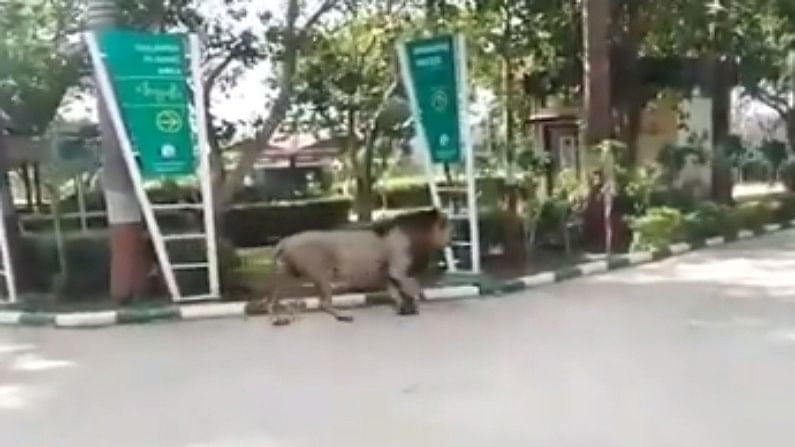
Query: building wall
{"type": "Point", "coordinates": [659, 127]}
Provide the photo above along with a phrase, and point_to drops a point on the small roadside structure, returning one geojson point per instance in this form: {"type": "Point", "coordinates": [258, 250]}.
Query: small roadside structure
{"type": "Point", "coordinates": [294, 166]}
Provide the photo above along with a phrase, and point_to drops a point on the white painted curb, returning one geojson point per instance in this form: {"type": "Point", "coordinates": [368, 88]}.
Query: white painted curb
{"type": "Point", "coordinates": [770, 228]}
{"type": "Point", "coordinates": [680, 248]}
{"type": "Point", "coordinates": [593, 268]}
{"type": "Point", "coordinates": [86, 319]}
{"type": "Point", "coordinates": [715, 241]}
{"type": "Point", "coordinates": [745, 234]}
{"type": "Point", "coordinates": [10, 317]}
{"type": "Point", "coordinates": [350, 300]}
{"type": "Point", "coordinates": [449, 293]}
{"type": "Point", "coordinates": [641, 257]}
{"type": "Point", "coordinates": [208, 311]}
{"type": "Point", "coordinates": [540, 279]}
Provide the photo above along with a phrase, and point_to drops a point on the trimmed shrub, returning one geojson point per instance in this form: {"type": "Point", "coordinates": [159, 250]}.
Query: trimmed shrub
{"type": "Point", "coordinates": [657, 229]}
{"type": "Point", "coordinates": [711, 219]}
{"type": "Point", "coordinates": [673, 198]}
{"type": "Point", "coordinates": [756, 170]}
{"type": "Point", "coordinates": [785, 207]}
{"type": "Point", "coordinates": [755, 215]}
{"type": "Point", "coordinates": [260, 224]}
{"type": "Point", "coordinates": [788, 174]}
{"type": "Point", "coordinates": [88, 261]}
{"type": "Point", "coordinates": [405, 195]}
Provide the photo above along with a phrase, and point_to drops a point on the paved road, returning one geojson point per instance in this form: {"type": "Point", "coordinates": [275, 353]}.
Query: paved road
{"type": "Point", "coordinates": [698, 351]}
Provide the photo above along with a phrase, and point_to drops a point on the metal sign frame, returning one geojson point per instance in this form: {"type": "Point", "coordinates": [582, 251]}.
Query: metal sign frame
{"type": "Point", "coordinates": [462, 84]}
{"type": "Point", "coordinates": [203, 173]}
{"type": "Point", "coordinates": [7, 271]}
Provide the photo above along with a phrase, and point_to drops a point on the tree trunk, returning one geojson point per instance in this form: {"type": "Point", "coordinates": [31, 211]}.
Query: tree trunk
{"type": "Point", "coordinates": [361, 174]}
{"type": "Point", "coordinates": [629, 99]}
{"type": "Point", "coordinates": [39, 200]}
{"type": "Point", "coordinates": [365, 195]}
{"type": "Point", "coordinates": [252, 149]}
{"type": "Point", "coordinates": [512, 225]}
{"type": "Point", "coordinates": [597, 82]}
{"type": "Point", "coordinates": [721, 105]}
{"type": "Point", "coordinates": [790, 121]}
{"type": "Point", "coordinates": [25, 171]}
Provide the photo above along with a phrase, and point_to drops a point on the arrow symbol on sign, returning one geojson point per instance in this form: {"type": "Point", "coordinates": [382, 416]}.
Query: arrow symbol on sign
{"type": "Point", "coordinates": [444, 140]}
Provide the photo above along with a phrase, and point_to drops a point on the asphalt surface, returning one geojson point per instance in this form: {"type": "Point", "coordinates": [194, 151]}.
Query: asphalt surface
{"type": "Point", "coordinates": [696, 351]}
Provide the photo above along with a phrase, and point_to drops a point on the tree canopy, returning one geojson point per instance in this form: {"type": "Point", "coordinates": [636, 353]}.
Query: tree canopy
{"type": "Point", "coordinates": [332, 63]}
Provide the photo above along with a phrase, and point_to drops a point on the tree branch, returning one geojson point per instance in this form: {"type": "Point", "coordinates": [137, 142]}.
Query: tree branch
{"type": "Point", "coordinates": [314, 18]}
{"type": "Point", "coordinates": [773, 101]}
{"type": "Point", "coordinates": [251, 150]}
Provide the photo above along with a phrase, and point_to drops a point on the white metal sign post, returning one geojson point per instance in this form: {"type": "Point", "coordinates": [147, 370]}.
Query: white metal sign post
{"type": "Point", "coordinates": [434, 72]}
{"type": "Point", "coordinates": [160, 126]}
{"type": "Point", "coordinates": [7, 270]}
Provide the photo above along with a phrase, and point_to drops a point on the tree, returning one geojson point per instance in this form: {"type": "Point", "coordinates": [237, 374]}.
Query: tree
{"type": "Point", "coordinates": [233, 46]}
{"type": "Point", "coordinates": [35, 67]}
{"type": "Point", "coordinates": [289, 42]}
{"type": "Point", "coordinates": [348, 86]}
{"type": "Point", "coordinates": [764, 46]}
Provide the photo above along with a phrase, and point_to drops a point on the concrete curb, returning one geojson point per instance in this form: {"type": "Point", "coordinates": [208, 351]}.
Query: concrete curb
{"type": "Point", "coordinates": [193, 312]}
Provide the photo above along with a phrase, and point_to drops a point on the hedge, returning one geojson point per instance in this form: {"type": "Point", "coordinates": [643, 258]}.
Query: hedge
{"type": "Point", "coordinates": [663, 226]}
{"type": "Point", "coordinates": [88, 260]}
{"type": "Point", "coordinates": [258, 224]}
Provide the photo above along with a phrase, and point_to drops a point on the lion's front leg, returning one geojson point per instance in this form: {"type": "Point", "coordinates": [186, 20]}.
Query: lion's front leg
{"type": "Point", "coordinates": [405, 303]}
{"type": "Point", "coordinates": [405, 290]}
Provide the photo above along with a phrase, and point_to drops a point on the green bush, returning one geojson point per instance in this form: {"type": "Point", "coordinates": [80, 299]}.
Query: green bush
{"type": "Point", "coordinates": [775, 152]}
{"type": "Point", "coordinates": [709, 220]}
{"type": "Point", "coordinates": [673, 198]}
{"type": "Point", "coordinates": [88, 262]}
{"type": "Point", "coordinates": [788, 174]}
{"type": "Point", "coordinates": [403, 195]}
{"type": "Point", "coordinates": [416, 194]}
{"type": "Point", "coordinates": [637, 187]}
{"type": "Point", "coordinates": [756, 170]}
{"type": "Point", "coordinates": [673, 157]}
{"type": "Point", "coordinates": [755, 215]}
{"type": "Point", "coordinates": [658, 229]}
{"type": "Point", "coordinates": [257, 224]}
{"type": "Point", "coordinates": [784, 207]}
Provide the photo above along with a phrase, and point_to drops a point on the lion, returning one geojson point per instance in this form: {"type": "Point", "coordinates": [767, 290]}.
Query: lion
{"type": "Point", "coordinates": [388, 255]}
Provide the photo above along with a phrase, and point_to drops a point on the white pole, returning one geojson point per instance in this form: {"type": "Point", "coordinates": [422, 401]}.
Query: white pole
{"type": "Point", "coordinates": [81, 202]}
{"type": "Point", "coordinates": [106, 89]}
{"type": "Point", "coordinates": [204, 173]}
{"type": "Point", "coordinates": [8, 265]}
{"type": "Point", "coordinates": [405, 73]}
{"type": "Point", "coordinates": [469, 151]}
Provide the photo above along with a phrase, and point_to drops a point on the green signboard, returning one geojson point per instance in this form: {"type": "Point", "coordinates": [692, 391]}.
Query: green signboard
{"type": "Point", "coordinates": [433, 71]}
{"type": "Point", "coordinates": [149, 74]}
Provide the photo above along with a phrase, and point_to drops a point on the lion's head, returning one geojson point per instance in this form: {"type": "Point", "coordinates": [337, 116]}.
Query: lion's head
{"type": "Point", "coordinates": [427, 230]}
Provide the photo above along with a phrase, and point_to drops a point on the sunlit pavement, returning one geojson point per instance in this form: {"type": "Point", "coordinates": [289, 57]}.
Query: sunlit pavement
{"type": "Point", "coordinates": [698, 351]}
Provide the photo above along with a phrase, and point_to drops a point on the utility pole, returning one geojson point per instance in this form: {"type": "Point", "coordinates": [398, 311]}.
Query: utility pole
{"type": "Point", "coordinates": [129, 255]}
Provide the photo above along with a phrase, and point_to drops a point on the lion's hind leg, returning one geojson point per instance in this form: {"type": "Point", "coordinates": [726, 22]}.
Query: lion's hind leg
{"type": "Point", "coordinates": [325, 294]}
{"type": "Point", "coordinates": [274, 306]}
